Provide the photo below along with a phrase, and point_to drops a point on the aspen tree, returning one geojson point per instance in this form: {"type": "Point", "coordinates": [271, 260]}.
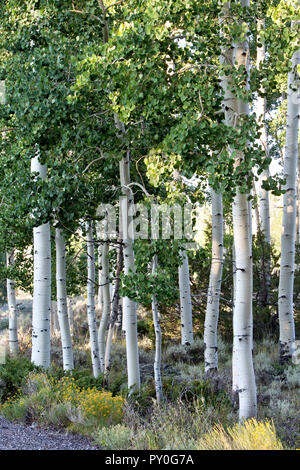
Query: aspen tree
{"type": "Point", "coordinates": [12, 310]}
{"type": "Point", "coordinates": [41, 310]}
{"type": "Point", "coordinates": [105, 288]}
{"type": "Point", "coordinates": [214, 289]}
{"type": "Point", "coordinates": [158, 352]}
{"type": "Point", "coordinates": [242, 320]}
{"type": "Point", "coordinates": [264, 203]}
{"type": "Point", "coordinates": [62, 307]}
{"type": "Point", "coordinates": [91, 311]}
{"type": "Point", "coordinates": [287, 263]}
{"type": "Point", "coordinates": [114, 309]}
{"type": "Point", "coordinates": [129, 306]}
{"type": "Point", "coordinates": [186, 314]}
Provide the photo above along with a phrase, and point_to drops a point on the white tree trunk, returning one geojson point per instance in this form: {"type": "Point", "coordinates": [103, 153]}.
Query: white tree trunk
{"type": "Point", "coordinates": [62, 308]}
{"type": "Point", "coordinates": [158, 352]}
{"type": "Point", "coordinates": [106, 303]}
{"type": "Point", "coordinates": [54, 318]}
{"type": "Point", "coordinates": [70, 314]}
{"type": "Point", "coordinates": [41, 310]}
{"type": "Point", "coordinates": [264, 203]}
{"type": "Point", "coordinates": [235, 387]}
{"type": "Point", "coordinates": [12, 310]}
{"type": "Point", "coordinates": [99, 251]}
{"type": "Point", "coordinates": [114, 309]}
{"type": "Point", "coordinates": [186, 313]}
{"type": "Point", "coordinates": [298, 200]}
{"type": "Point", "coordinates": [287, 263]}
{"type": "Point", "coordinates": [214, 290]}
{"type": "Point", "coordinates": [129, 306]}
{"type": "Point", "coordinates": [91, 311]}
{"type": "Point", "coordinates": [242, 321]}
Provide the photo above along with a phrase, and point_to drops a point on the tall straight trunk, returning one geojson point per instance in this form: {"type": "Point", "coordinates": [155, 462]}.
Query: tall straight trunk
{"type": "Point", "coordinates": [242, 320]}
{"type": "Point", "coordinates": [105, 288]}
{"type": "Point", "coordinates": [158, 349]}
{"type": "Point", "coordinates": [129, 306]}
{"type": "Point", "coordinates": [235, 387]}
{"type": "Point", "coordinates": [12, 310]}
{"type": "Point", "coordinates": [214, 289]}
{"type": "Point", "coordinates": [99, 252]}
{"type": "Point", "coordinates": [91, 311]}
{"type": "Point", "coordinates": [114, 310]}
{"type": "Point", "coordinates": [186, 313]}
{"type": "Point", "coordinates": [287, 263]}
{"type": "Point", "coordinates": [41, 310]}
{"type": "Point", "coordinates": [264, 203]}
{"type": "Point", "coordinates": [298, 200]}
{"type": "Point", "coordinates": [227, 59]}
{"type": "Point", "coordinates": [62, 307]}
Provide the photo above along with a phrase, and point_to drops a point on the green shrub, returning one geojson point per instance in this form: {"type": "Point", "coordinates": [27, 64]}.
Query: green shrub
{"type": "Point", "coordinates": [82, 377]}
{"type": "Point", "coordinates": [17, 410]}
{"type": "Point", "coordinates": [3, 324]}
{"type": "Point", "coordinates": [192, 354]}
{"type": "Point", "coordinates": [116, 437]}
{"type": "Point", "coordinates": [13, 376]}
{"type": "Point", "coordinates": [143, 327]}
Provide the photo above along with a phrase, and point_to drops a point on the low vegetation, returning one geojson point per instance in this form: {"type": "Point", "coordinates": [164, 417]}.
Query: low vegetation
{"type": "Point", "coordinates": [197, 413]}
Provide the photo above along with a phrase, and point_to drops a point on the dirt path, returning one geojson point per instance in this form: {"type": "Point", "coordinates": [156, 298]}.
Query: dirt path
{"type": "Point", "coordinates": [20, 437]}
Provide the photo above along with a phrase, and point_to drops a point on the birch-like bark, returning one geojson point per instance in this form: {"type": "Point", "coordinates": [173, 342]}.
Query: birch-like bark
{"type": "Point", "coordinates": [100, 297]}
{"type": "Point", "coordinates": [242, 321]}
{"type": "Point", "coordinates": [158, 350]}
{"type": "Point", "coordinates": [105, 287]}
{"type": "Point", "coordinates": [54, 318]}
{"type": "Point", "coordinates": [214, 289]}
{"type": "Point", "coordinates": [298, 199]}
{"type": "Point", "coordinates": [129, 306]}
{"type": "Point", "coordinates": [114, 310]}
{"type": "Point", "coordinates": [41, 309]}
{"type": "Point", "coordinates": [91, 311]}
{"type": "Point", "coordinates": [12, 310]}
{"type": "Point", "coordinates": [70, 314]}
{"type": "Point", "coordinates": [62, 307]}
{"type": "Point", "coordinates": [235, 387]}
{"type": "Point", "coordinates": [287, 263]}
{"type": "Point", "coordinates": [264, 203]}
{"type": "Point", "coordinates": [186, 313]}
